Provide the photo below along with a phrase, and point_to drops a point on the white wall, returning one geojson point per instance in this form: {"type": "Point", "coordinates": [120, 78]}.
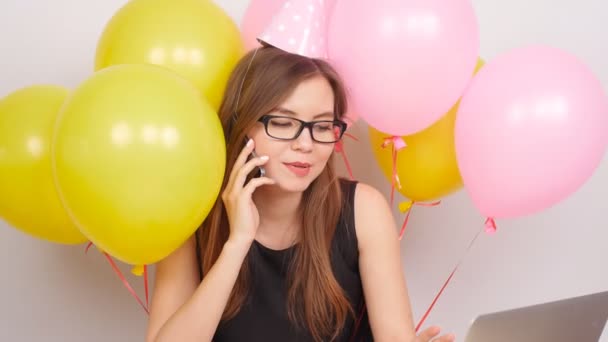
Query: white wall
{"type": "Point", "coordinates": [56, 293]}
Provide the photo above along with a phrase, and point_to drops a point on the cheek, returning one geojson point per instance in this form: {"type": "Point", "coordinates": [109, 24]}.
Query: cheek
{"type": "Point", "coordinates": [273, 150]}
{"type": "Point", "coordinates": [265, 148]}
{"type": "Point", "coordinates": [324, 152]}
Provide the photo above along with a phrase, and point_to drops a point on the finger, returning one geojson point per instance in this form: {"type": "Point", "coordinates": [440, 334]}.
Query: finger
{"type": "Point", "coordinates": [241, 177]}
{"type": "Point", "coordinates": [256, 183]}
{"type": "Point", "coordinates": [238, 164]}
{"type": "Point", "coordinates": [428, 334]}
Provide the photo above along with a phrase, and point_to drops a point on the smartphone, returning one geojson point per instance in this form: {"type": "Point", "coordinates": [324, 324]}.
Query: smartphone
{"type": "Point", "coordinates": [261, 171]}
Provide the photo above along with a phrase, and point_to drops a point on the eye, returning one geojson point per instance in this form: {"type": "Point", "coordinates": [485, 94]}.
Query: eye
{"type": "Point", "coordinates": [324, 127]}
{"type": "Point", "coordinates": [281, 123]}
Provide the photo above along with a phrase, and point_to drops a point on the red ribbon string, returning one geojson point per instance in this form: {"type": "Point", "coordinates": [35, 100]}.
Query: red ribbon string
{"type": "Point", "coordinates": [340, 149]}
{"type": "Point", "coordinates": [125, 281]}
{"type": "Point", "coordinates": [146, 286]}
{"type": "Point", "coordinates": [351, 136]}
{"type": "Point", "coordinates": [428, 311]}
{"type": "Point", "coordinates": [409, 211]}
{"type": "Point", "coordinates": [397, 143]}
{"type": "Point", "coordinates": [405, 222]}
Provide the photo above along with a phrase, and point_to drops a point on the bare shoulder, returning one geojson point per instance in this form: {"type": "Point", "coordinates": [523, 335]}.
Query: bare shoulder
{"type": "Point", "coordinates": [182, 260]}
{"type": "Point", "coordinates": [373, 216]}
{"type": "Point", "coordinates": [179, 269]}
{"type": "Point", "coordinates": [367, 194]}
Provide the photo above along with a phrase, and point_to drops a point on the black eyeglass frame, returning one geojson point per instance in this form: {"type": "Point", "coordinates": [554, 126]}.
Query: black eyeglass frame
{"type": "Point", "coordinates": [265, 119]}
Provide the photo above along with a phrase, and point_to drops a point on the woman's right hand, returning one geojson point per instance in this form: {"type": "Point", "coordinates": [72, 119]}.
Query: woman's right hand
{"type": "Point", "coordinates": [242, 213]}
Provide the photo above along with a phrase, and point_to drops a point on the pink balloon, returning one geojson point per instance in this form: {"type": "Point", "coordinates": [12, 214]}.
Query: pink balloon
{"type": "Point", "coordinates": [257, 17]}
{"type": "Point", "coordinates": [530, 130]}
{"type": "Point", "coordinates": [406, 62]}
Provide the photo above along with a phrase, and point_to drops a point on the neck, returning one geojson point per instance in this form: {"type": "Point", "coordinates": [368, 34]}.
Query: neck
{"type": "Point", "coordinates": [279, 215]}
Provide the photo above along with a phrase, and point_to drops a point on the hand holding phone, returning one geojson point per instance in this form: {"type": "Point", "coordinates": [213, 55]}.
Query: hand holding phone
{"type": "Point", "coordinates": [243, 215]}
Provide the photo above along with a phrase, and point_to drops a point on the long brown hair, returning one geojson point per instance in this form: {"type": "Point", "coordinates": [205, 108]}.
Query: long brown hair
{"type": "Point", "coordinates": [260, 82]}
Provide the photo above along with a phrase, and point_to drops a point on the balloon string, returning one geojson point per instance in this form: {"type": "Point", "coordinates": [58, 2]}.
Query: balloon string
{"type": "Point", "coordinates": [351, 136]}
{"type": "Point", "coordinates": [428, 311]}
{"type": "Point", "coordinates": [146, 286]}
{"type": "Point", "coordinates": [408, 206]}
{"type": "Point", "coordinates": [405, 222]}
{"type": "Point", "coordinates": [430, 204]}
{"type": "Point", "coordinates": [340, 149]}
{"type": "Point", "coordinates": [397, 143]}
{"type": "Point", "coordinates": [126, 282]}
{"type": "Point", "coordinates": [348, 167]}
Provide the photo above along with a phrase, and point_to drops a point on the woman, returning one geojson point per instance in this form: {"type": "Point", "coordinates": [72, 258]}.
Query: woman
{"type": "Point", "coordinates": [290, 253]}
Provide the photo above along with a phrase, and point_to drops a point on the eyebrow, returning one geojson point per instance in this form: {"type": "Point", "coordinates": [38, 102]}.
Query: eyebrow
{"type": "Point", "coordinates": [292, 113]}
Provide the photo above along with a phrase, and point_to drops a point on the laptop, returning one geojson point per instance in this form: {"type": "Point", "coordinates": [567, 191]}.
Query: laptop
{"type": "Point", "coordinates": [579, 319]}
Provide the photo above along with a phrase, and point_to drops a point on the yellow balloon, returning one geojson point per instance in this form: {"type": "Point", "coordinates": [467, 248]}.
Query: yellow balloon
{"type": "Point", "coordinates": [194, 38]}
{"type": "Point", "coordinates": [28, 198]}
{"type": "Point", "coordinates": [427, 166]}
{"type": "Point", "coordinates": [139, 158]}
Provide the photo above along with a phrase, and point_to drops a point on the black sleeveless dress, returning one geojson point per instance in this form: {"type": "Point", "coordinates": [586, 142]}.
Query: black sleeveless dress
{"type": "Point", "coordinates": [264, 315]}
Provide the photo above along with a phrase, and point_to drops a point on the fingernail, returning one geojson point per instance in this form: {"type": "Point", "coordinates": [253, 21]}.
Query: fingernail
{"type": "Point", "coordinates": [264, 158]}
{"type": "Point", "coordinates": [249, 142]}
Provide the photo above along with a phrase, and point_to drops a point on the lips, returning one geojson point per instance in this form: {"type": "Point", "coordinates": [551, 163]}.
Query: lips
{"type": "Point", "coordinates": [298, 164]}
{"type": "Point", "coordinates": [298, 168]}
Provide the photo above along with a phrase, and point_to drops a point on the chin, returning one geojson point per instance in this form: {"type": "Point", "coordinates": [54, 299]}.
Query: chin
{"type": "Point", "coordinates": [295, 185]}
{"type": "Point", "coordinates": [289, 182]}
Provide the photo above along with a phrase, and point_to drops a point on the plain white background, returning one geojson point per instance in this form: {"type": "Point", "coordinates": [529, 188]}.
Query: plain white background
{"type": "Point", "coordinates": [57, 293]}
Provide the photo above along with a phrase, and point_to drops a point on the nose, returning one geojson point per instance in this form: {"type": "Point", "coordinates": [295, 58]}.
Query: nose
{"type": "Point", "coordinates": [304, 141]}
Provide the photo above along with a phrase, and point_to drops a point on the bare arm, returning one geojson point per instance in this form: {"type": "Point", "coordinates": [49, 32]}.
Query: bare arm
{"type": "Point", "coordinates": [184, 310]}
{"type": "Point", "coordinates": [382, 275]}
{"type": "Point", "coordinates": [386, 294]}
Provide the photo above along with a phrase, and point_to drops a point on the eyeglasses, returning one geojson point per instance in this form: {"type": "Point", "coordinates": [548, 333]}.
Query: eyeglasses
{"type": "Point", "coordinates": [288, 128]}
